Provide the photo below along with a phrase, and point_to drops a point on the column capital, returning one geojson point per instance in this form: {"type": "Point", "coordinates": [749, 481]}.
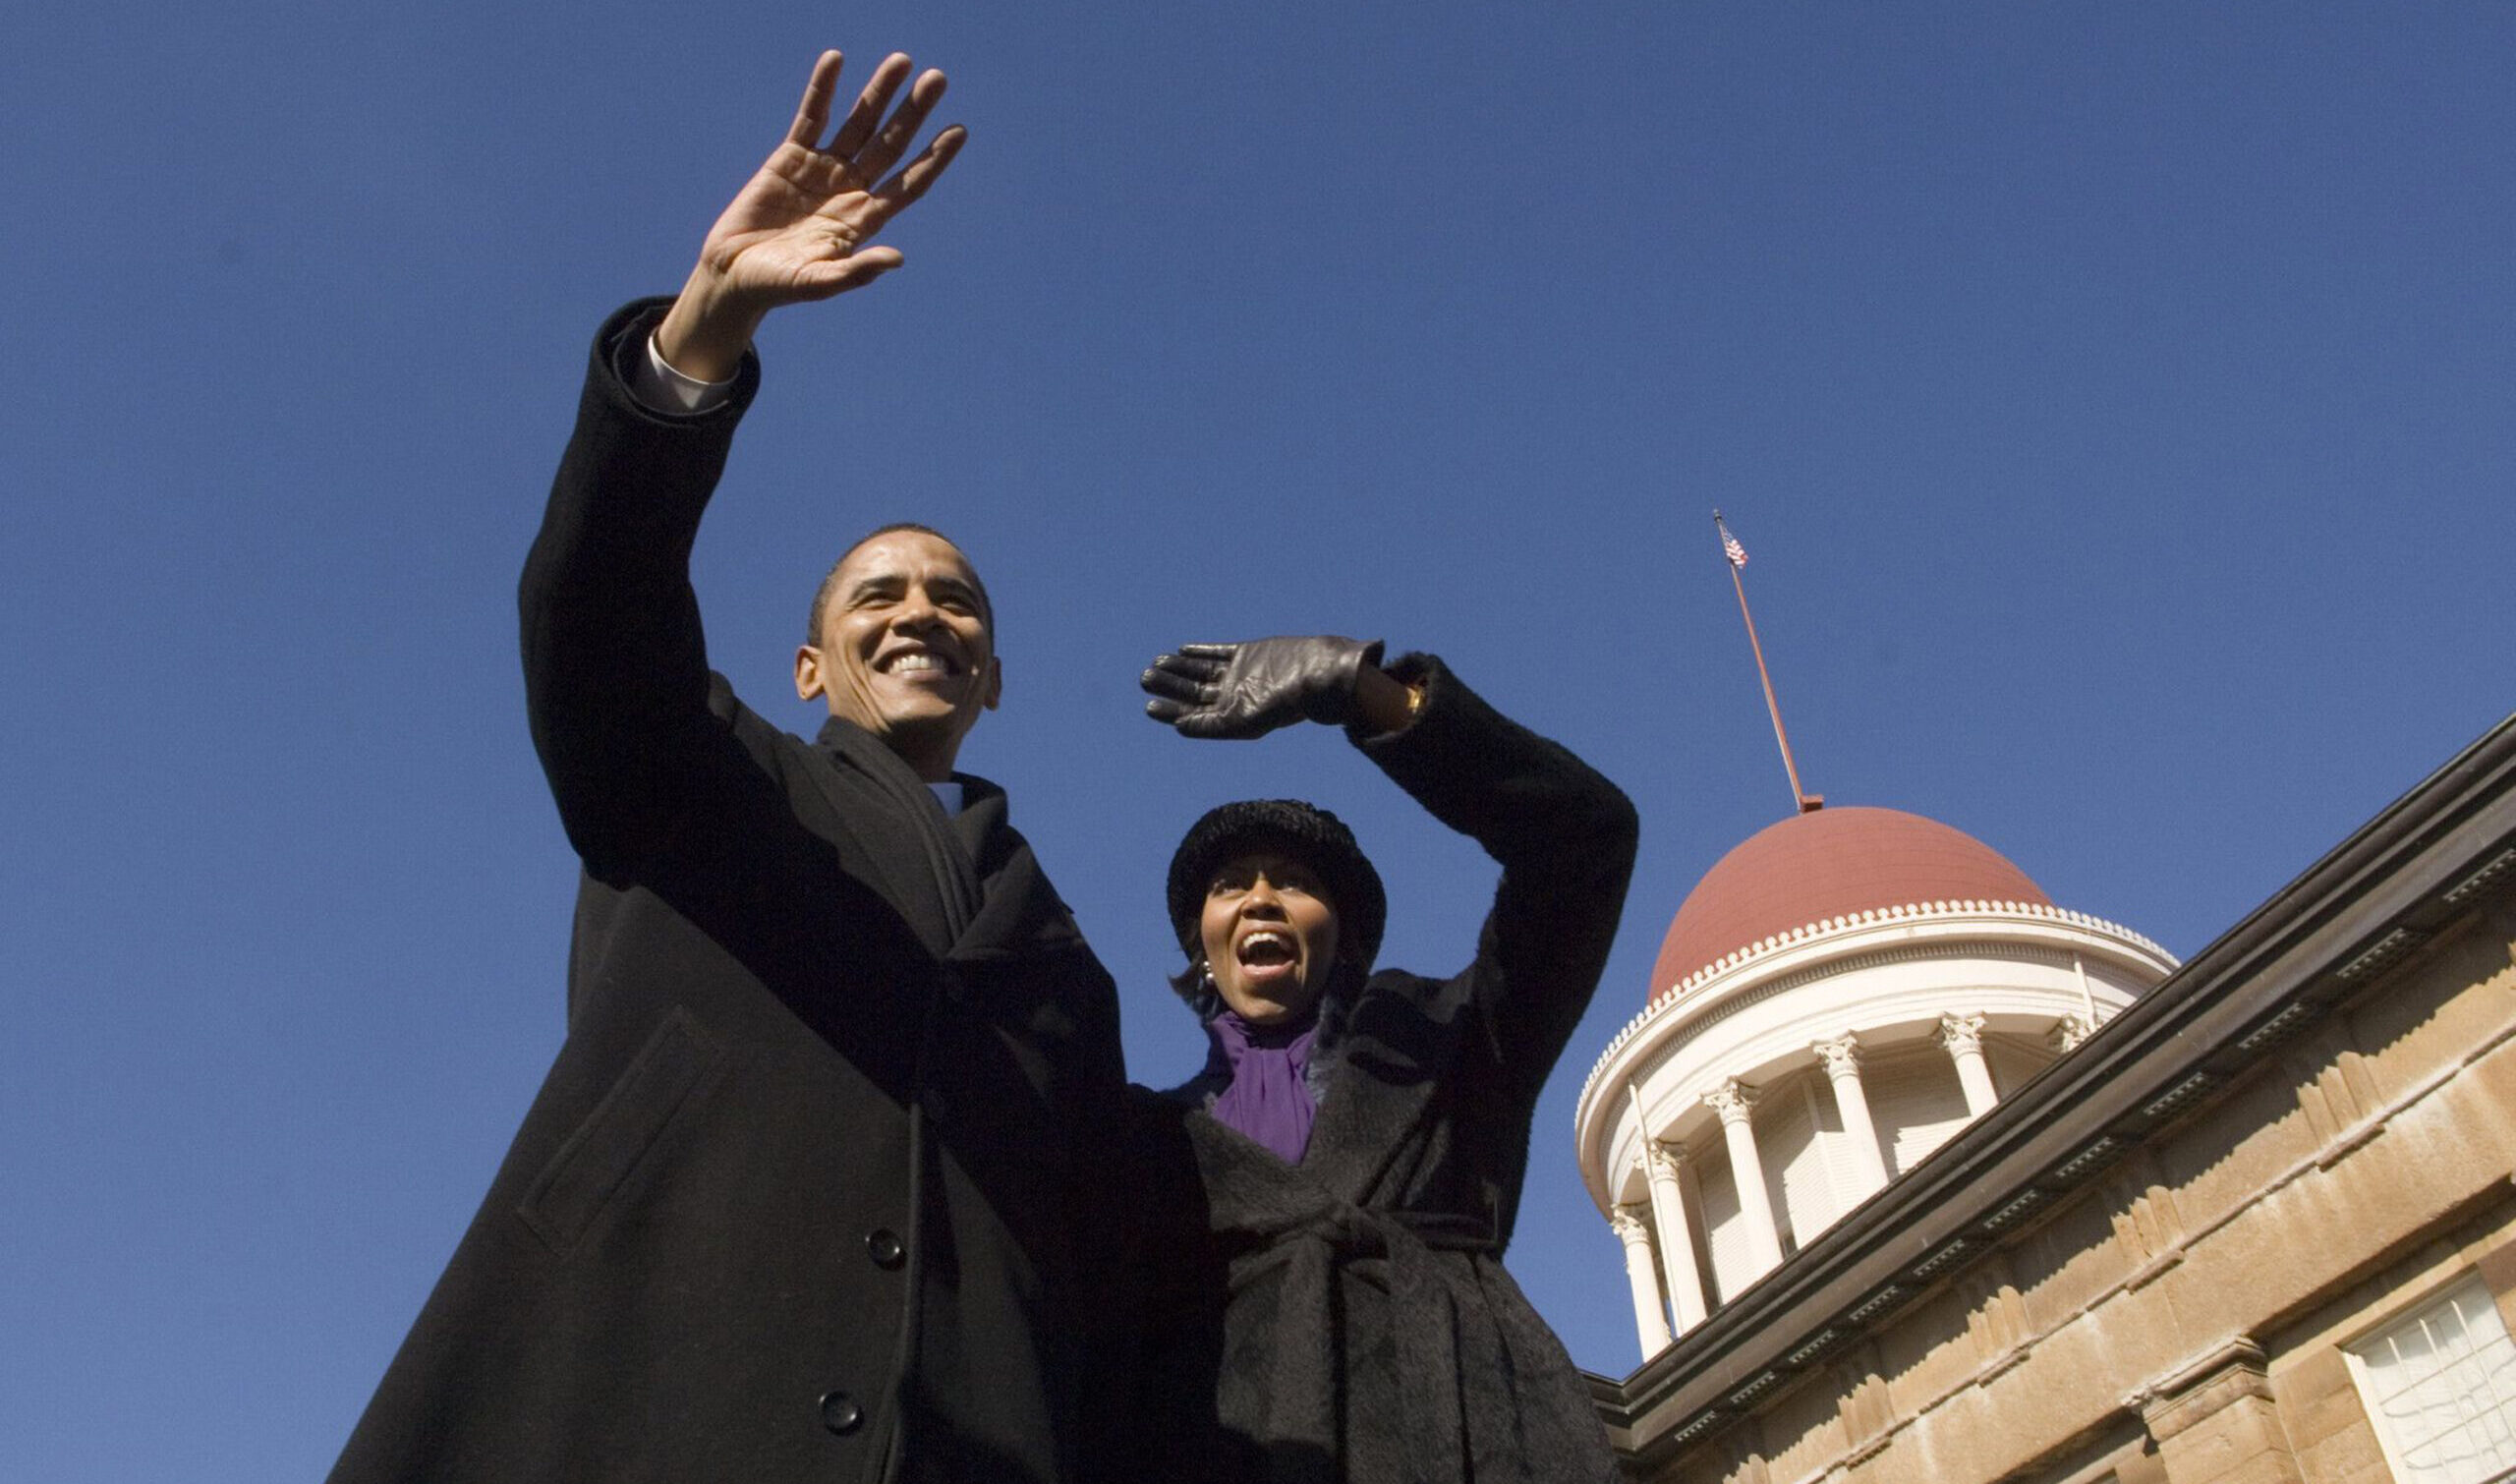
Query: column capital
{"type": "Point", "coordinates": [1731, 1100]}
{"type": "Point", "coordinates": [1629, 1225]}
{"type": "Point", "coordinates": [1839, 1053]}
{"type": "Point", "coordinates": [1650, 1319]}
{"type": "Point", "coordinates": [1842, 1055]}
{"type": "Point", "coordinates": [1680, 1278]}
{"type": "Point", "coordinates": [1963, 1035]}
{"type": "Point", "coordinates": [2069, 1031]}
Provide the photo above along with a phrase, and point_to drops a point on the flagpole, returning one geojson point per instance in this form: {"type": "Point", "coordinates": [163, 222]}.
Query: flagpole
{"type": "Point", "coordinates": [1735, 558]}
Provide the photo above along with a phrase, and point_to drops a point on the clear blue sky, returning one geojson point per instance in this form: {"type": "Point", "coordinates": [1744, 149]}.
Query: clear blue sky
{"type": "Point", "coordinates": [2116, 403]}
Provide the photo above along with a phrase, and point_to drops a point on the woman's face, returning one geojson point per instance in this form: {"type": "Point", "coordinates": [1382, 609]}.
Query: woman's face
{"type": "Point", "coordinates": [1270, 936]}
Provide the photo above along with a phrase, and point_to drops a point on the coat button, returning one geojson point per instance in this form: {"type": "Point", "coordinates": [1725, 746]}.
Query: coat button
{"type": "Point", "coordinates": [882, 1245]}
{"type": "Point", "coordinates": [841, 1414]}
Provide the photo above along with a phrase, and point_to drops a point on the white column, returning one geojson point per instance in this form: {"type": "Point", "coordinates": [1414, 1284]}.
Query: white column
{"type": "Point", "coordinates": [1842, 1057]}
{"type": "Point", "coordinates": [1963, 1035]}
{"type": "Point", "coordinates": [2069, 1031]}
{"type": "Point", "coordinates": [1650, 1324]}
{"type": "Point", "coordinates": [1677, 1239]}
{"type": "Point", "coordinates": [1732, 1100]}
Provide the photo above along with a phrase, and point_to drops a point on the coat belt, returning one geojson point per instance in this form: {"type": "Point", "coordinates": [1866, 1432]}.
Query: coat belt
{"type": "Point", "coordinates": [1311, 1250]}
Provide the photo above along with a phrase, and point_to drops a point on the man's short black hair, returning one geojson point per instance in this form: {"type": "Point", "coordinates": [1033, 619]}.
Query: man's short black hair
{"type": "Point", "coordinates": [830, 580]}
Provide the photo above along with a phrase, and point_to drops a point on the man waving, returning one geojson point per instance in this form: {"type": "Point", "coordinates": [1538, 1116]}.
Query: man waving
{"type": "Point", "coordinates": [801, 1197]}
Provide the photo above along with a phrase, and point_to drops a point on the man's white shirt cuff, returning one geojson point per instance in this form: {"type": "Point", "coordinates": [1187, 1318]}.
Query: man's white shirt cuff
{"type": "Point", "coordinates": [660, 388]}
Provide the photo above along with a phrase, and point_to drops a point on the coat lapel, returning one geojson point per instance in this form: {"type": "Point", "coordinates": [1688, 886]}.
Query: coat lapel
{"type": "Point", "coordinates": [1017, 910]}
{"type": "Point", "coordinates": [1361, 1121]}
{"type": "Point", "coordinates": [1386, 1066]}
{"type": "Point", "coordinates": [1361, 1124]}
{"type": "Point", "coordinates": [926, 871]}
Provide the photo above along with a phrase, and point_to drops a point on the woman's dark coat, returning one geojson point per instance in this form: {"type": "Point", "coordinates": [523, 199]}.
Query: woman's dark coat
{"type": "Point", "coordinates": [1348, 1318]}
{"type": "Point", "coordinates": [802, 1196]}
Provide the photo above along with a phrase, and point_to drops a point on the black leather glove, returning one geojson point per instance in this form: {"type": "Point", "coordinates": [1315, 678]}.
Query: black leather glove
{"type": "Point", "coordinates": [1251, 688]}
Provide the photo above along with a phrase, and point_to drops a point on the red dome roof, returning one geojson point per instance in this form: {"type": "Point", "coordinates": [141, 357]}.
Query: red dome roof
{"type": "Point", "coordinates": [1829, 864]}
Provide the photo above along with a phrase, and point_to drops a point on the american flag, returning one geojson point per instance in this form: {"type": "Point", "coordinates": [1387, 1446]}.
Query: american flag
{"type": "Point", "coordinates": [1730, 548]}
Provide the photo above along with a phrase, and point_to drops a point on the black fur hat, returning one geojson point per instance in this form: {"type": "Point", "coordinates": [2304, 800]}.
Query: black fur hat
{"type": "Point", "coordinates": [1319, 837]}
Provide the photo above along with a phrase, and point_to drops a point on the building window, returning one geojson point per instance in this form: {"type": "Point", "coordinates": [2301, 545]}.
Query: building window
{"type": "Point", "coordinates": [2441, 1387]}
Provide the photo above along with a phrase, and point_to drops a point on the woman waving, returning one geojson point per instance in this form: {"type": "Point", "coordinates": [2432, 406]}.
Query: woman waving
{"type": "Point", "coordinates": [1329, 1199]}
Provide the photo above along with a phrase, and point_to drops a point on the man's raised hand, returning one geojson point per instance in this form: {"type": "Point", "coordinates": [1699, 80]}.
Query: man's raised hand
{"type": "Point", "coordinates": [798, 230]}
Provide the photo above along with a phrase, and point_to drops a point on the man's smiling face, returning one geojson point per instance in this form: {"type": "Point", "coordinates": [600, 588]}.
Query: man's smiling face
{"type": "Point", "coordinates": [906, 649]}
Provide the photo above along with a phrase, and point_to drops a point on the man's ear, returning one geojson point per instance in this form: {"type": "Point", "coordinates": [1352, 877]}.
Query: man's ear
{"type": "Point", "coordinates": [994, 680]}
{"type": "Point", "coordinates": [808, 672]}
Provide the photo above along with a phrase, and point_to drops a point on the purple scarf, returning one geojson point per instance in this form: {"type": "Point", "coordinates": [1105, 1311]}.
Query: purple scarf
{"type": "Point", "coordinates": [1267, 1099]}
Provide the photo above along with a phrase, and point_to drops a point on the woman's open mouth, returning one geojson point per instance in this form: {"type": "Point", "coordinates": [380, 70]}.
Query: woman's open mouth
{"type": "Point", "coordinates": [1266, 953]}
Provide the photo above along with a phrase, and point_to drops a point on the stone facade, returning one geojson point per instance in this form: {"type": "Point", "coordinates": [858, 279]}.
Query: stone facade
{"type": "Point", "coordinates": [2166, 1258]}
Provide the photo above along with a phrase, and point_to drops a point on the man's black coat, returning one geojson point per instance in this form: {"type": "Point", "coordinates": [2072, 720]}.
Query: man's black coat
{"type": "Point", "coordinates": [802, 1196]}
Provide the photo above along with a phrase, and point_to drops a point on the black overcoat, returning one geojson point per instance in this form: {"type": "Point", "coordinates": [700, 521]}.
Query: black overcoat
{"type": "Point", "coordinates": [801, 1197]}
{"type": "Point", "coordinates": [1349, 1318]}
